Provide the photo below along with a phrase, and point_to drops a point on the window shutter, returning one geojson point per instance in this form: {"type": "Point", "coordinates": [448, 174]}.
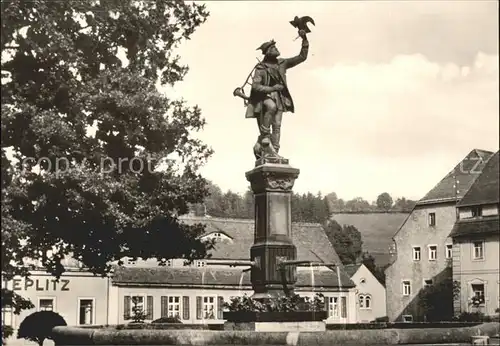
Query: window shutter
{"type": "Point", "coordinates": [185, 308]}
{"type": "Point", "coordinates": [164, 306]}
{"type": "Point", "coordinates": [220, 304]}
{"type": "Point", "coordinates": [343, 309]}
{"type": "Point", "coordinates": [327, 308]}
{"type": "Point", "coordinates": [199, 308]}
{"type": "Point", "coordinates": [126, 308]}
{"type": "Point", "coordinates": [149, 309]}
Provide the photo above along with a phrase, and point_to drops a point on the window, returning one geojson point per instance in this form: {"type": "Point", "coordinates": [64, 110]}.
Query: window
{"type": "Point", "coordinates": [368, 302]}
{"type": "Point", "coordinates": [449, 251]}
{"type": "Point", "coordinates": [365, 302]}
{"type": "Point", "coordinates": [432, 219]}
{"type": "Point", "coordinates": [477, 211]}
{"type": "Point", "coordinates": [416, 253]}
{"type": "Point", "coordinates": [428, 282]}
{"type": "Point", "coordinates": [333, 307]}
{"type": "Point", "coordinates": [407, 318]}
{"type": "Point", "coordinates": [174, 307]}
{"type": "Point", "coordinates": [337, 307]}
{"type": "Point", "coordinates": [209, 308]}
{"type": "Point", "coordinates": [478, 250]}
{"type": "Point", "coordinates": [138, 303]}
{"type": "Point", "coordinates": [86, 310]}
{"type": "Point", "coordinates": [7, 316]}
{"type": "Point", "coordinates": [169, 263]}
{"type": "Point", "coordinates": [432, 252]}
{"type": "Point", "coordinates": [363, 280]}
{"type": "Point", "coordinates": [46, 304]}
{"type": "Point", "coordinates": [406, 288]}
{"type": "Point", "coordinates": [200, 264]}
{"type": "Point", "coordinates": [478, 291]}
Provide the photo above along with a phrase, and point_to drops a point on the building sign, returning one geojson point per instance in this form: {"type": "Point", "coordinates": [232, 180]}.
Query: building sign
{"type": "Point", "coordinates": [40, 284]}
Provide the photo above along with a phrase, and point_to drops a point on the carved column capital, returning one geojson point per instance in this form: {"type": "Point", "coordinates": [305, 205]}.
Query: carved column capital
{"type": "Point", "coordinates": [272, 178]}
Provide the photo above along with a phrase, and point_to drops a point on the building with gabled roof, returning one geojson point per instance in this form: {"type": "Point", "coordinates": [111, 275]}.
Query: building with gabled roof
{"type": "Point", "coordinates": [476, 243]}
{"type": "Point", "coordinates": [196, 292]}
{"type": "Point", "coordinates": [422, 247]}
{"type": "Point", "coordinates": [370, 293]}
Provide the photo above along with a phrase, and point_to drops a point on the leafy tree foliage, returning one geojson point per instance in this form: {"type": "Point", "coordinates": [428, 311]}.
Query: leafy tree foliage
{"type": "Point", "coordinates": [115, 192]}
{"type": "Point", "coordinates": [334, 203]}
{"type": "Point", "coordinates": [309, 208]}
{"type": "Point", "coordinates": [378, 271]}
{"type": "Point", "coordinates": [384, 201]}
{"type": "Point", "coordinates": [346, 241]}
{"type": "Point", "coordinates": [38, 326]}
{"type": "Point", "coordinates": [437, 299]}
{"type": "Point", "coordinates": [358, 204]}
{"type": "Point", "coordinates": [403, 204]}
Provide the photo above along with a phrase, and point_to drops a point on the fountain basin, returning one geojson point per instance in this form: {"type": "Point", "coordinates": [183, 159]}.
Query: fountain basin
{"type": "Point", "coordinates": [68, 336]}
{"type": "Point", "coordinates": [274, 316]}
{"type": "Point", "coordinates": [276, 321]}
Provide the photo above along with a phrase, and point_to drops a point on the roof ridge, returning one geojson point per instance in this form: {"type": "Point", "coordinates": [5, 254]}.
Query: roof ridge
{"type": "Point", "coordinates": [457, 170]}
{"type": "Point", "coordinates": [247, 221]}
{"type": "Point", "coordinates": [479, 179]}
{"type": "Point", "coordinates": [483, 151]}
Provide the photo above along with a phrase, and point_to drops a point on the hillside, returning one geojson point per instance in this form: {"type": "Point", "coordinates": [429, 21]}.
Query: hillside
{"type": "Point", "coordinates": [376, 231]}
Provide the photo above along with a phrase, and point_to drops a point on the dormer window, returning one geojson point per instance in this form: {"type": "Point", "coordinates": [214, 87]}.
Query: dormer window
{"type": "Point", "coordinates": [477, 211]}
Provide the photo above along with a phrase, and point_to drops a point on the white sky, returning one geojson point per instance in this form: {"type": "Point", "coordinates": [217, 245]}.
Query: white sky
{"type": "Point", "coordinates": [392, 96]}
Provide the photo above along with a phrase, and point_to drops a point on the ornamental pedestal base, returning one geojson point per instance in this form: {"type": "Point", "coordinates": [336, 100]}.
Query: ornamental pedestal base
{"type": "Point", "coordinates": [272, 187]}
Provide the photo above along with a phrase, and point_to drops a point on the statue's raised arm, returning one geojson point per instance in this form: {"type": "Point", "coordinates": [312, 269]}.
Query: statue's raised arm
{"type": "Point", "coordinates": [269, 96]}
{"type": "Point", "coordinates": [304, 51]}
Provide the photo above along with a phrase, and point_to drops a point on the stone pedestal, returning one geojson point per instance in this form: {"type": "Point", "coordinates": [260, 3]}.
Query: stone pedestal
{"type": "Point", "coordinates": [272, 187]}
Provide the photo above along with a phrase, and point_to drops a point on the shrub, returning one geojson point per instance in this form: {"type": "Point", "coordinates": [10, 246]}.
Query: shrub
{"type": "Point", "coordinates": [167, 320]}
{"type": "Point", "coordinates": [283, 303]}
{"type": "Point", "coordinates": [473, 317]}
{"type": "Point", "coordinates": [7, 331]}
{"type": "Point", "coordinates": [38, 326]}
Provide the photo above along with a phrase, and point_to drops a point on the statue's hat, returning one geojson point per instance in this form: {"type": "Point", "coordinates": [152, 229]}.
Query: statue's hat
{"type": "Point", "coordinates": [266, 45]}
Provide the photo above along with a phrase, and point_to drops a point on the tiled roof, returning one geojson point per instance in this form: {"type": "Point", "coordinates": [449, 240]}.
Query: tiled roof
{"type": "Point", "coordinates": [351, 269]}
{"type": "Point", "coordinates": [213, 277]}
{"type": "Point", "coordinates": [485, 189]}
{"type": "Point", "coordinates": [309, 238]}
{"type": "Point", "coordinates": [485, 225]}
{"type": "Point", "coordinates": [465, 173]}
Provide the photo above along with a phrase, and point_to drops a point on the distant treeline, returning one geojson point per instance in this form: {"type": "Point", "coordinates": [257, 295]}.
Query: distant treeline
{"type": "Point", "coordinates": [306, 207]}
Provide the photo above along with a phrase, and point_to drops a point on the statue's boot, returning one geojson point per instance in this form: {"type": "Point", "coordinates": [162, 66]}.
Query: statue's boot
{"type": "Point", "coordinates": [268, 149]}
